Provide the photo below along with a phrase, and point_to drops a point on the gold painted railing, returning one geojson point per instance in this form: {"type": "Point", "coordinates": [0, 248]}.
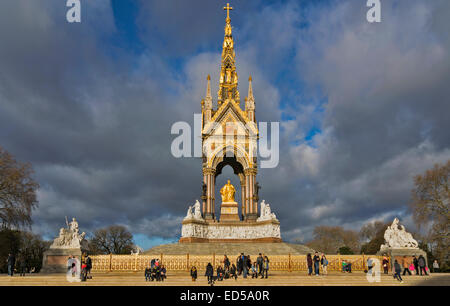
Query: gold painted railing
{"type": "Point", "coordinates": [105, 263]}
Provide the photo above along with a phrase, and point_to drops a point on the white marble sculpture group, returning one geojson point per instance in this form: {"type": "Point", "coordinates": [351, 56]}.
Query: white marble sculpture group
{"type": "Point", "coordinates": [266, 212]}
{"type": "Point", "coordinates": [223, 231]}
{"type": "Point", "coordinates": [196, 215]}
{"type": "Point", "coordinates": [69, 238]}
{"type": "Point", "coordinates": [396, 236]}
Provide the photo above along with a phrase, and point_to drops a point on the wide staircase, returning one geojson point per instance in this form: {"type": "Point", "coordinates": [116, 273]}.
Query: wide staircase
{"type": "Point", "coordinates": [183, 279]}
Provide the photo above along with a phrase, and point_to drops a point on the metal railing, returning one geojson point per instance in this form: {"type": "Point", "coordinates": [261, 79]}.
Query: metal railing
{"type": "Point", "coordinates": [136, 262]}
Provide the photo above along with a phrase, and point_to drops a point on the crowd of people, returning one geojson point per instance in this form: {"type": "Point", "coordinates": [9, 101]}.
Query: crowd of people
{"type": "Point", "coordinates": [416, 266]}
{"type": "Point", "coordinates": [317, 261]}
{"type": "Point", "coordinates": [156, 271]}
{"type": "Point", "coordinates": [242, 266]}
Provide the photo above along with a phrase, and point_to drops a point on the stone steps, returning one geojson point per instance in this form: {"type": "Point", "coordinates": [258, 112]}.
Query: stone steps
{"type": "Point", "coordinates": [183, 279]}
{"type": "Point", "coordinates": [281, 248]}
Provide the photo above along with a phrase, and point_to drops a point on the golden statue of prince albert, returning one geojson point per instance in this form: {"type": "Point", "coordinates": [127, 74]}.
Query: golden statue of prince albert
{"type": "Point", "coordinates": [227, 192]}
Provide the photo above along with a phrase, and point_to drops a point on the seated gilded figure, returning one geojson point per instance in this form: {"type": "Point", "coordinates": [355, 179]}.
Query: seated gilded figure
{"type": "Point", "coordinates": [227, 192]}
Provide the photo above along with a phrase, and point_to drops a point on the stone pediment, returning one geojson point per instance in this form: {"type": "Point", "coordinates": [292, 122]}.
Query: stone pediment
{"type": "Point", "coordinates": [230, 112]}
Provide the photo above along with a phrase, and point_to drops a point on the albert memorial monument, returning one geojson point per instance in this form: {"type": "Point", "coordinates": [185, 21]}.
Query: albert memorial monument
{"type": "Point", "coordinates": [229, 137]}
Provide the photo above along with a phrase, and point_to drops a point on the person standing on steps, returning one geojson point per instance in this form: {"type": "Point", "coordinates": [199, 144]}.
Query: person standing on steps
{"type": "Point", "coordinates": [397, 271]}
{"type": "Point", "coordinates": [435, 266]}
{"type": "Point", "coordinates": [405, 265]}
{"type": "Point", "coordinates": [416, 264]}
{"type": "Point", "coordinates": [209, 273]}
{"type": "Point", "coordinates": [316, 261]}
{"type": "Point", "coordinates": [11, 262]}
{"type": "Point", "coordinates": [266, 266]}
{"type": "Point", "coordinates": [385, 264]}
{"type": "Point", "coordinates": [260, 263]}
{"type": "Point", "coordinates": [309, 263]}
{"type": "Point", "coordinates": [422, 265]}
{"type": "Point", "coordinates": [194, 273]}
{"type": "Point", "coordinates": [324, 263]}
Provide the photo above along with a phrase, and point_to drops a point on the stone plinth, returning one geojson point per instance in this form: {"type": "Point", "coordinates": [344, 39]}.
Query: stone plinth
{"type": "Point", "coordinates": [230, 231]}
{"type": "Point", "coordinates": [398, 253]}
{"type": "Point", "coordinates": [55, 260]}
{"type": "Point", "coordinates": [229, 212]}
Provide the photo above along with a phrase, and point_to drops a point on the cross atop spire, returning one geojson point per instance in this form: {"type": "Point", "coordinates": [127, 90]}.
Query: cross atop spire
{"type": "Point", "coordinates": [228, 8]}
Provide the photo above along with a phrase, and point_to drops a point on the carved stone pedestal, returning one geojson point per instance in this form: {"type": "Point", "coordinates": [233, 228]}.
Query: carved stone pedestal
{"type": "Point", "coordinates": [55, 260]}
{"type": "Point", "coordinates": [229, 212]}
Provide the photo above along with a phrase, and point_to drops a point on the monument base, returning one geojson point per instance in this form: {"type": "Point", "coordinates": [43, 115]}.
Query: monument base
{"type": "Point", "coordinates": [400, 253]}
{"type": "Point", "coordinates": [195, 230]}
{"type": "Point", "coordinates": [55, 260]}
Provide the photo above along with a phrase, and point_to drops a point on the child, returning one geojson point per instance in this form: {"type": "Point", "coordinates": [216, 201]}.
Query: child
{"type": "Point", "coordinates": [254, 271]}
{"type": "Point", "coordinates": [194, 273]}
{"type": "Point", "coordinates": [147, 274]}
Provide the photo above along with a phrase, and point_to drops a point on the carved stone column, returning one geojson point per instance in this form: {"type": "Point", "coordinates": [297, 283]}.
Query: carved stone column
{"type": "Point", "coordinates": [251, 203]}
{"type": "Point", "coordinates": [243, 212]}
{"type": "Point", "coordinates": [208, 173]}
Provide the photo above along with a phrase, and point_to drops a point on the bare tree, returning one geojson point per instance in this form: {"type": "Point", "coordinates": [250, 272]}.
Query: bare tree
{"type": "Point", "coordinates": [114, 239]}
{"type": "Point", "coordinates": [370, 230]}
{"type": "Point", "coordinates": [17, 192]}
{"type": "Point", "coordinates": [329, 239]}
{"type": "Point", "coordinates": [430, 205]}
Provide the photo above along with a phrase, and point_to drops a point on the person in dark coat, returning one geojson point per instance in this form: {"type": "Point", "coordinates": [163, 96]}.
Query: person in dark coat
{"type": "Point", "coordinates": [209, 273]}
{"type": "Point", "coordinates": [260, 264]}
{"type": "Point", "coordinates": [397, 271]}
{"type": "Point", "coordinates": [163, 273]}
{"type": "Point", "coordinates": [226, 262]}
{"type": "Point", "coordinates": [422, 265]}
{"type": "Point", "coordinates": [219, 273]}
{"type": "Point", "coordinates": [416, 264]}
{"type": "Point", "coordinates": [310, 263]}
{"type": "Point", "coordinates": [244, 265]}
{"type": "Point", "coordinates": [233, 272]}
{"type": "Point", "coordinates": [147, 273]}
{"type": "Point", "coordinates": [88, 265]}
{"type": "Point", "coordinates": [11, 262]}
{"type": "Point", "coordinates": [194, 273]}
{"type": "Point", "coordinates": [316, 260]}
{"type": "Point", "coordinates": [22, 265]}
{"type": "Point", "coordinates": [239, 265]}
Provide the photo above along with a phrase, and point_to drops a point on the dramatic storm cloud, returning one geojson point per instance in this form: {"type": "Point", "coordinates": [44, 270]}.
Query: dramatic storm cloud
{"type": "Point", "coordinates": [362, 107]}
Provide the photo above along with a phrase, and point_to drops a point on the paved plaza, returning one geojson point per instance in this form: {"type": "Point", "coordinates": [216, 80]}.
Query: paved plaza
{"type": "Point", "coordinates": [183, 279]}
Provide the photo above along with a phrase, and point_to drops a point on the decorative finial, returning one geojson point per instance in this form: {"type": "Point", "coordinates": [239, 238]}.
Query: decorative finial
{"type": "Point", "coordinates": [208, 77]}
{"type": "Point", "coordinates": [250, 78]}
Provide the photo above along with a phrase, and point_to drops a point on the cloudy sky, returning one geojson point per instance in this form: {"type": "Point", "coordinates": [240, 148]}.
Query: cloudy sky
{"type": "Point", "coordinates": [362, 107]}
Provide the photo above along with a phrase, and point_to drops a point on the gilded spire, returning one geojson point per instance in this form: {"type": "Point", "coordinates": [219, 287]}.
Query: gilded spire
{"type": "Point", "coordinates": [208, 98]}
{"type": "Point", "coordinates": [250, 100]}
{"type": "Point", "coordinates": [250, 89]}
{"type": "Point", "coordinates": [228, 76]}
